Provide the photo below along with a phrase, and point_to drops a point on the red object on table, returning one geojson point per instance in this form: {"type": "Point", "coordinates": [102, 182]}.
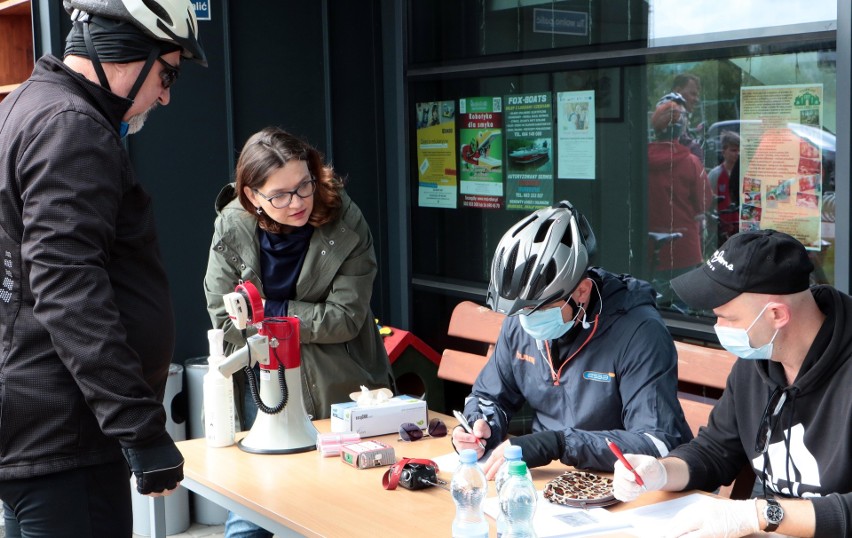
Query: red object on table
{"type": "Point", "coordinates": [398, 340]}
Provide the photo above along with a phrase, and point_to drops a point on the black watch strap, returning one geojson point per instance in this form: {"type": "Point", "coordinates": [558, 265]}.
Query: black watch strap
{"type": "Point", "coordinates": [773, 514]}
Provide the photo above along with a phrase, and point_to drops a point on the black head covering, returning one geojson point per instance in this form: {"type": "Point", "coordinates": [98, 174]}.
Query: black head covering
{"type": "Point", "coordinates": [115, 41]}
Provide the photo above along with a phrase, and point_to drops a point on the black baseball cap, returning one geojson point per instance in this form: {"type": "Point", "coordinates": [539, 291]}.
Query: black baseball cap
{"type": "Point", "coordinates": [764, 261]}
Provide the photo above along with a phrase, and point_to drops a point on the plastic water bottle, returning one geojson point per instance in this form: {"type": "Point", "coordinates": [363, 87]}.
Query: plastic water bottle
{"type": "Point", "coordinates": [469, 487]}
{"type": "Point", "coordinates": [218, 396]}
{"type": "Point", "coordinates": [517, 502]}
{"type": "Point", "coordinates": [510, 454]}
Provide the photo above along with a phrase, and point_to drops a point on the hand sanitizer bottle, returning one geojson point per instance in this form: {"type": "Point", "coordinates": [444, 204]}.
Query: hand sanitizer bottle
{"type": "Point", "coordinates": [218, 396]}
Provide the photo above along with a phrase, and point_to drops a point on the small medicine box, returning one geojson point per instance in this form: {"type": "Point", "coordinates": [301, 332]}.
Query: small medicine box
{"type": "Point", "coordinates": [367, 454]}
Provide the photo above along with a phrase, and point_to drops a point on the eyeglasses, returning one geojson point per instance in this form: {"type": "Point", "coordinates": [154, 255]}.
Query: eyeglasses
{"type": "Point", "coordinates": [409, 431]}
{"type": "Point", "coordinates": [169, 74]}
{"type": "Point", "coordinates": [773, 409]}
{"type": "Point", "coordinates": [283, 199]}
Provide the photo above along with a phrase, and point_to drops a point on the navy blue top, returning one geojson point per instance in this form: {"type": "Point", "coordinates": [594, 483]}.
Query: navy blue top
{"type": "Point", "coordinates": [281, 259]}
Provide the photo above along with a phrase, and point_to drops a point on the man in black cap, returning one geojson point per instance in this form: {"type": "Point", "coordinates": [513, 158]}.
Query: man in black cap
{"type": "Point", "coordinates": [86, 321]}
{"type": "Point", "coordinates": [786, 407]}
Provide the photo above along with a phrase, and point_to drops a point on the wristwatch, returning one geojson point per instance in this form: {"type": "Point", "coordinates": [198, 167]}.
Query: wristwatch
{"type": "Point", "coordinates": [773, 514]}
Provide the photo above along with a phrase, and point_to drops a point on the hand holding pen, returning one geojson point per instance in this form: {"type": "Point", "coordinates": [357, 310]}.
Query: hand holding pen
{"type": "Point", "coordinates": [466, 425]}
{"type": "Point", "coordinates": [618, 454]}
{"type": "Point", "coordinates": [635, 475]}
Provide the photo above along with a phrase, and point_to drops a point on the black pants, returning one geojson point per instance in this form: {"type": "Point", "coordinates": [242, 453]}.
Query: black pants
{"type": "Point", "coordinates": [90, 502]}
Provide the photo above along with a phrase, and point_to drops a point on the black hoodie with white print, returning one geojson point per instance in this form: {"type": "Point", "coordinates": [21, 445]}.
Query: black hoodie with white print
{"type": "Point", "coordinates": [810, 450]}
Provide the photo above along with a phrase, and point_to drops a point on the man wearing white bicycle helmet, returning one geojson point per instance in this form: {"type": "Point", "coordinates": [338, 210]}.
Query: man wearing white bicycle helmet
{"type": "Point", "coordinates": [85, 312]}
{"type": "Point", "coordinates": [586, 349]}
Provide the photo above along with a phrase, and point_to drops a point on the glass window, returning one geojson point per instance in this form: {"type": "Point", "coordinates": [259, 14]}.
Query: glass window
{"type": "Point", "coordinates": [486, 150]}
{"type": "Point", "coordinates": [443, 31]}
{"type": "Point", "coordinates": [675, 22]}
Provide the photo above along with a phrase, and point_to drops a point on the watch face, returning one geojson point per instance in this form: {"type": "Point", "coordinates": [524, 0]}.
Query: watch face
{"type": "Point", "coordinates": [774, 513]}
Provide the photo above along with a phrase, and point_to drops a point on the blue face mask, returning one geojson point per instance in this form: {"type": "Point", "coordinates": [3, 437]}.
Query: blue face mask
{"type": "Point", "coordinates": [736, 341]}
{"type": "Point", "coordinates": [546, 324]}
{"type": "Point", "coordinates": [123, 128]}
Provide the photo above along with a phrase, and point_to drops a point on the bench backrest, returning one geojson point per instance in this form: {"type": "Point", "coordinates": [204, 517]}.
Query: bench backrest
{"type": "Point", "coordinates": [470, 321]}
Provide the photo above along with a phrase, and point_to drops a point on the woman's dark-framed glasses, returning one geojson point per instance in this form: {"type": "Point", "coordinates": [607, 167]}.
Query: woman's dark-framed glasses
{"type": "Point", "coordinates": [169, 74]}
{"type": "Point", "coordinates": [408, 431]}
{"type": "Point", "coordinates": [770, 414]}
{"type": "Point", "coordinates": [282, 199]}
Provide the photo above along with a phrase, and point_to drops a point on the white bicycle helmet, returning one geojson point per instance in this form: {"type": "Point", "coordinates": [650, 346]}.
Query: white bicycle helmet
{"type": "Point", "coordinates": [541, 259]}
{"type": "Point", "coordinates": [172, 21]}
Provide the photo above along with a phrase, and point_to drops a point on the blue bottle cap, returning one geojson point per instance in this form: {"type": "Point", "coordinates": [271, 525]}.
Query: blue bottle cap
{"type": "Point", "coordinates": [467, 455]}
{"type": "Point", "coordinates": [513, 452]}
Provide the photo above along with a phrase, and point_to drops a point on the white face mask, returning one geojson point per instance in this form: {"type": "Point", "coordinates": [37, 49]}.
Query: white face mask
{"type": "Point", "coordinates": [736, 340]}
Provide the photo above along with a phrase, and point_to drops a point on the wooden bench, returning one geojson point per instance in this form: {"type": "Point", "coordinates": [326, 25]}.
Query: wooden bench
{"type": "Point", "coordinates": [702, 372]}
{"type": "Point", "coordinates": [480, 324]}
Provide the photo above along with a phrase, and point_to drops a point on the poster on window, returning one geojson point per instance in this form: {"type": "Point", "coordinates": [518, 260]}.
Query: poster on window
{"type": "Point", "coordinates": [575, 126]}
{"type": "Point", "coordinates": [781, 151]}
{"type": "Point", "coordinates": [436, 154]}
{"type": "Point", "coordinates": [529, 151]}
{"type": "Point", "coordinates": [481, 152]}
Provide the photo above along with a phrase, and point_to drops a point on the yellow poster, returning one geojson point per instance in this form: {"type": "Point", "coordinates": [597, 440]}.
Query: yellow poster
{"type": "Point", "coordinates": [781, 155]}
{"type": "Point", "coordinates": [436, 154]}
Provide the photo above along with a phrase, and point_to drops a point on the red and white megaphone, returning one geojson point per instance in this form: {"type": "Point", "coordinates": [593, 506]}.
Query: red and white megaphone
{"type": "Point", "coordinates": [282, 425]}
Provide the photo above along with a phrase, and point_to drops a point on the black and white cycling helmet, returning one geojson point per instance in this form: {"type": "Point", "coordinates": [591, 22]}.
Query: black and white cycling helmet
{"type": "Point", "coordinates": [541, 259]}
{"type": "Point", "coordinates": [672, 96]}
{"type": "Point", "coordinates": [172, 21]}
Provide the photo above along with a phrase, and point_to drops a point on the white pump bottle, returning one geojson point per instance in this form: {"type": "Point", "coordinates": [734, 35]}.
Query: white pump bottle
{"type": "Point", "coordinates": [218, 396]}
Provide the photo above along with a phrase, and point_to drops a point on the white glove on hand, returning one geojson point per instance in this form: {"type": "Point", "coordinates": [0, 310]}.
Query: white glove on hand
{"type": "Point", "coordinates": [653, 474]}
{"type": "Point", "coordinates": [717, 519]}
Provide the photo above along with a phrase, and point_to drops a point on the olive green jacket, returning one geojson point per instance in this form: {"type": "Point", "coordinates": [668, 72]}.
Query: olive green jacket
{"type": "Point", "coordinates": [340, 343]}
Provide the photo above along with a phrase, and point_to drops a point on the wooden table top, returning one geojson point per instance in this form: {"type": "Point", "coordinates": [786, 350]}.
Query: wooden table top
{"type": "Point", "coordinates": [324, 497]}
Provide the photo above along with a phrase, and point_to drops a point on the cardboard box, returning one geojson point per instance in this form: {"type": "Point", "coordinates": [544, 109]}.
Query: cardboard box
{"type": "Point", "coordinates": [367, 454]}
{"type": "Point", "coordinates": [378, 420]}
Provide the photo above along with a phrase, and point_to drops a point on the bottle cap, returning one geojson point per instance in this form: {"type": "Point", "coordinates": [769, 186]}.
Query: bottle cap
{"type": "Point", "coordinates": [517, 468]}
{"type": "Point", "coordinates": [216, 338]}
{"type": "Point", "coordinates": [513, 452]}
{"type": "Point", "coordinates": [467, 455]}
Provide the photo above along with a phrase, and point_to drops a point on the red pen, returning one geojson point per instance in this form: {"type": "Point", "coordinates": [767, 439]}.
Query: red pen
{"type": "Point", "coordinates": [617, 451]}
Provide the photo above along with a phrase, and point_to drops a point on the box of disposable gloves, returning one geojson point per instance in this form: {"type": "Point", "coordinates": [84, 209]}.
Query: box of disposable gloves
{"type": "Point", "coordinates": [379, 416]}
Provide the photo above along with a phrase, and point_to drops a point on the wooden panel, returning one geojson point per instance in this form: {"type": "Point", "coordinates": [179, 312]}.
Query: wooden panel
{"type": "Point", "coordinates": [460, 367]}
{"type": "Point", "coordinates": [696, 409]}
{"type": "Point", "coordinates": [475, 322]}
{"type": "Point", "coordinates": [703, 365]}
{"type": "Point", "coordinates": [16, 47]}
{"type": "Point", "coordinates": [15, 7]}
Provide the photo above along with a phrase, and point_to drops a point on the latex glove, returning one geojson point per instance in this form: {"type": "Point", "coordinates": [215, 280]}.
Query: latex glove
{"type": "Point", "coordinates": [717, 519]}
{"type": "Point", "coordinates": [158, 466]}
{"type": "Point", "coordinates": [624, 484]}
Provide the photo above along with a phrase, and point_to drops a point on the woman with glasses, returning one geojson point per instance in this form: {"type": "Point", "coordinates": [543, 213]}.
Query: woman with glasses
{"type": "Point", "coordinates": [289, 227]}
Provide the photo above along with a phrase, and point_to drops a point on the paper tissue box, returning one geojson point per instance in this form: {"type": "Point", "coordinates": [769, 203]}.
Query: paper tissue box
{"type": "Point", "coordinates": [378, 419]}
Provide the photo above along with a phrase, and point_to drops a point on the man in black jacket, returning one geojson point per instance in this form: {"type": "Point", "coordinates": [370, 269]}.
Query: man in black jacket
{"type": "Point", "coordinates": [85, 313]}
{"type": "Point", "coordinates": [786, 406]}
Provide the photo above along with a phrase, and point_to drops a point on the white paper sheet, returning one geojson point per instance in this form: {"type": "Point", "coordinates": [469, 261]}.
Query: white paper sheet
{"type": "Point", "coordinates": [647, 520]}
{"type": "Point", "coordinates": [448, 463]}
{"type": "Point", "coordinates": [555, 520]}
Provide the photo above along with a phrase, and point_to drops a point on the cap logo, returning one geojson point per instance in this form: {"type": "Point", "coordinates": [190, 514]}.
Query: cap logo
{"type": "Point", "coordinates": [719, 257]}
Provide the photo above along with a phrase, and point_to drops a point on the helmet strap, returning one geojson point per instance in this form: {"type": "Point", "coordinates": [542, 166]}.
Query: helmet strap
{"type": "Point", "coordinates": [93, 52]}
{"type": "Point", "coordinates": [152, 57]}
